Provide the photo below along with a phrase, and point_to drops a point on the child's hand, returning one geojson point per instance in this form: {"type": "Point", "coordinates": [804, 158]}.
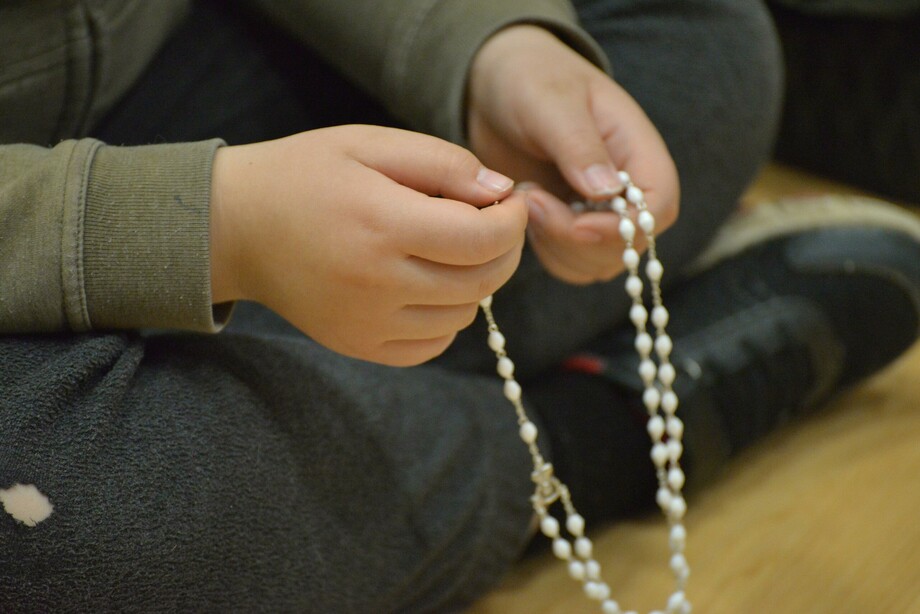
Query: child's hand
{"type": "Point", "coordinates": [341, 232]}
{"type": "Point", "coordinates": [540, 112]}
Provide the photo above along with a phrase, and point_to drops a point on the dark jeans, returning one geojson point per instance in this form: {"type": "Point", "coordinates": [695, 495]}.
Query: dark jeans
{"type": "Point", "coordinates": [257, 471]}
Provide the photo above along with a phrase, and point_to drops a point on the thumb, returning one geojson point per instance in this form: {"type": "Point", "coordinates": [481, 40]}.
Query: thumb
{"type": "Point", "coordinates": [435, 167]}
{"type": "Point", "coordinates": [567, 132]}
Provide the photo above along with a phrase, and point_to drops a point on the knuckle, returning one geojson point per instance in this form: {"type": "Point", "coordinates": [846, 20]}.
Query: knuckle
{"type": "Point", "coordinates": [468, 315]}
{"type": "Point", "coordinates": [432, 348]}
{"type": "Point", "coordinates": [485, 243]}
{"type": "Point", "coordinates": [457, 162]}
{"type": "Point", "coordinates": [486, 287]}
{"type": "Point", "coordinates": [495, 234]}
{"type": "Point", "coordinates": [490, 282]}
{"type": "Point", "coordinates": [582, 147]}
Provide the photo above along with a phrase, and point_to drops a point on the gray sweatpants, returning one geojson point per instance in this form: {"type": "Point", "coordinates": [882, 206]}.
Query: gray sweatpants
{"type": "Point", "coordinates": [257, 471]}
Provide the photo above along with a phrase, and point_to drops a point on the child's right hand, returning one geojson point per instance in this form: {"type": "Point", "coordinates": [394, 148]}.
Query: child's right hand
{"type": "Point", "coordinates": [363, 237]}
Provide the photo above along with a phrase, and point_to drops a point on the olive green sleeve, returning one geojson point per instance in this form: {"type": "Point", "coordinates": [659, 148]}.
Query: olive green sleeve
{"type": "Point", "coordinates": [414, 55]}
{"type": "Point", "coordinates": [98, 237]}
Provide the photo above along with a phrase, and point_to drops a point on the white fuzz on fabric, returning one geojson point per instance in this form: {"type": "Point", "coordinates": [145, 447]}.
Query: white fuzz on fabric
{"type": "Point", "coordinates": [26, 504]}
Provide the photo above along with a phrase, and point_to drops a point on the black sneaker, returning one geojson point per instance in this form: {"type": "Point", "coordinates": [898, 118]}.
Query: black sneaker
{"type": "Point", "coordinates": [792, 302]}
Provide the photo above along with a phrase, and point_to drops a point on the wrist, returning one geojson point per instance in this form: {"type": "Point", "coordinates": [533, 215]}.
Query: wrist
{"type": "Point", "coordinates": [224, 245]}
{"type": "Point", "coordinates": [495, 52]}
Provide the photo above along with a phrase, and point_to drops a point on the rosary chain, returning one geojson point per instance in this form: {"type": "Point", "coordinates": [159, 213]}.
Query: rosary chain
{"type": "Point", "coordinates": [665, 429]}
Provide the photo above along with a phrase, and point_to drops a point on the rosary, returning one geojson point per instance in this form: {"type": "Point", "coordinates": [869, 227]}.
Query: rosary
{"type": "Point", "coordinates": [664, 428]}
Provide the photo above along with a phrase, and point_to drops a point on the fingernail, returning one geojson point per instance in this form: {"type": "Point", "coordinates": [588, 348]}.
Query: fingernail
{"type": "Point", "coordinates": [602, 179]}
{"type": "Point", "coordinates": [526, 185]}
{"type": "Point", "coordinates": [495, 182]}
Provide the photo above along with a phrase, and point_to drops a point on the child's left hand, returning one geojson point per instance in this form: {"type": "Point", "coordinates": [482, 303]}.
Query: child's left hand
{"type": "Point", "coordinates": [540, 112]}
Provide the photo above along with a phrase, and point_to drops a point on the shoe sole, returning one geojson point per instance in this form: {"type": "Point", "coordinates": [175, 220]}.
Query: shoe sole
{"type": "Point", "coordinates": [790, 216]}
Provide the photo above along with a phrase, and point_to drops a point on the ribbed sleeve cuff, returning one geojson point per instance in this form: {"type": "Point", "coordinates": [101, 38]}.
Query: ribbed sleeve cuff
{"type": "Point", "coordinates": [145, 239]}
{"type": "Point", "coordinates": [441, 42]}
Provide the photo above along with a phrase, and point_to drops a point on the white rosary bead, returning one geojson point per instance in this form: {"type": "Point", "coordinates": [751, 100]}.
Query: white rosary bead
{"type": "Point", "coordinates": [678, 538]}
{"type": "Point", "coordinates": [528, 432]}
{"type": "Point", "coordinates": [634, 194]}
{"type": "Point", "coordinates": [575, 524]}
{"type": "Point", "coordinates": [486, 302]}
{"type": "Point", "coordinates": [664, 498]}
{"type": "Point", "coordinates": [669, 402]}
{"type": "Point", "coordinates": [646, 222]}
{"type": "Point", "coordinates": [634, 286]}
{"type": "Point", "coordinates": [663, 346]}
{"type": "Point", "coordinates": [676, 478]}
{"type": "Point", "coordinates": [505, 367]}
{"type": "Point", "coordinates": [644, 344]}
{"type": "Point", "coordinates": [611, 607]}
{"type": "Point", "coordinates": [597, 590]}
{"type": "Point", "coordinates": [604, 592]}
{"type": "Point", "coordinates": [619, 204]}
{"type": "Point", "coordinates": [549, 526]}
{"type": "Point", "coordinates": [496, 341]}
{"type": "Point", "coordinates": [667, 374]}
{"type": "Point", "coordinates": [675, 449]}
{"type": "Point", "coordinates": [655, 428]}
{"type": "Point", "coordinates": [651, 398]}
{"type": "Point", "coordinates": [660, 455]}
{"type": "Point", "coordinates": [675, 427]}
{"type": "Point", "coordinates": [624, 178]}
{"type": "Point", "coordinates": [627, 229]}
{"type": "Point", "coordinates": [592, 570]}
{"type": "Point", "coordinates": [638, 314]}
{"type": "Point", "coordinates": [512, 390]}
{"type": "Point", "coordinates": [660, 316]}
{"type": "Point", "coordinates": [678, 562]}
{"type": "Point", "coordinates": [678, 507]}
{"type": "Point", "coordinates": [584, 547]}
{"type": "Point", "coordinates": [630, 258]}
{"type": "Point", "coordinates": [679, 566]}
{"type": "Point", "coordinates": [562, 548]}
{"type": "Point", "coordinates": [654, 269]}
{"type": "Point", "coordinates": [676, 602]}
{"type": "Point", "coordinates": [647, 370]}
{"type": "Point", "coordinates": [683, 574]}
{"type": "Point", "coordinates": [577, 570]}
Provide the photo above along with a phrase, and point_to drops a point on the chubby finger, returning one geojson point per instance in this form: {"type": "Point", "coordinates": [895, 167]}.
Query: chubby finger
{"type": "Point", "coordinates": [434, 167]}
{"type": "Point", "coordinates": [556, 221]}
{"type": "Point", "coordinates": [565, 128]}
{"type": "Point", "coordinates": [417, 322]}
{"type": "Point", "coordinates": [410, 352]}
{"type": "Point", "coordinates": [433, 283]}
{"type": "Point", "coordinates": [551, 235]}
{"type": "Point", "coordinates": [451, 232]}
{"type": "Point", "coordinates": [579, 249]}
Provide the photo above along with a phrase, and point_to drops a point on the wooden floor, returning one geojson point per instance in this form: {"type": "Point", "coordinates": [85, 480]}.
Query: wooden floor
{"type": "Point", "coordinates": [822, 518]}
